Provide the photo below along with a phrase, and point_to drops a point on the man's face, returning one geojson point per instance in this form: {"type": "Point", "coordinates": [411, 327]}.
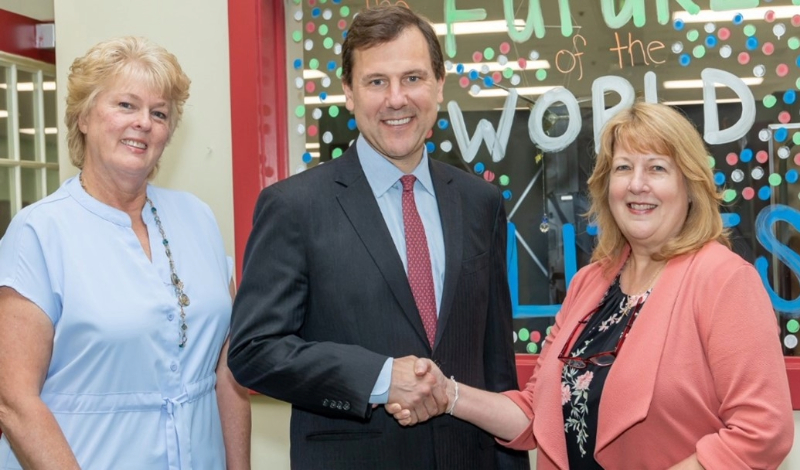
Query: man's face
{"type": "Point", "coordinates": [395, 95]}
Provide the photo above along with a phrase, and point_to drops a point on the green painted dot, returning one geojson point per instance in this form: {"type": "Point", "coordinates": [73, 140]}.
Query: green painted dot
{"type": "Point", "coordinates": [793, 326]}
{"type": "Point", "coordinates": [333, 111]}
{"type": "Point", "coordinates": [488, 53]}
{"type": "Point", "coordinates": [297, 2]}
{"type": "Point", "coordinates": [313, 64]}
{"type": "Point", "coordinates": [699, 51]}
{"type": "Point", "coordinates": [775, 179]}
{"type": "Point", "coordinates": [711, 162]}
{"type": "Point", "coordinates": [793, 43]}
{"type": "Point", "coordinates": [300, 111]}
{"type": "Point", "coordinates": [729, 195]}
{"type": "Point", "coordinates": [692, 35]}
{"type": "Point", "coordinates": [541, 74]}
{"type": "Point", "coordinates": [337, 152]}
{"type": "Point", "coordinates": [524, 334]}
{"type": "Point", "coordinates": [297, 36]}
{"type": "Point", "coordinates": [796, 138]}
{"type": "Point", "coordinates": [532, 348]}
{"type": "Point", "coordinates": [795, 2]}
{"type": "Point", "coordinates": [797, 83]}
{"type": "Point", "coordinates": [769, 101]}
{"type": "Point", "coordinates": [344, 11]}
{"type": "Point", "coordinates": [327, 43]}
{"type": "Point", "coordinates": [323, 30]}
{"type": "Point", "coordinates": [504, 180]}
{"type": "Point", "coordinates": [749, 30]}
{"type": "Point", "coordinates": [508, 72]}
{"type": "Point", "coordinates": [339, 72]}
{"type": "Point", "coordinates": [547, 331]}
{"type": "Point", "coordinates": [323, 1]}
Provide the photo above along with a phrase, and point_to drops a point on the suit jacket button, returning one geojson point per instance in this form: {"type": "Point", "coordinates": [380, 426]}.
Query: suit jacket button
{"type": "Point", "coordinates": [325, 402]}
{"type": "Point", "coordinates": [339, 405]}
{"type": "Point", "coordinates": [346, 405]}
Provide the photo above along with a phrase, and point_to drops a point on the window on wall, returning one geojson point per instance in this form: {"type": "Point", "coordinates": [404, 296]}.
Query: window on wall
{"type": "Point", "coordinates": [28, 140]}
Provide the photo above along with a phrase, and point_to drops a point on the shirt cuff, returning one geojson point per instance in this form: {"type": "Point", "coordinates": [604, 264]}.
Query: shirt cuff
{"type": "Point", "coordinates": [380, 392]}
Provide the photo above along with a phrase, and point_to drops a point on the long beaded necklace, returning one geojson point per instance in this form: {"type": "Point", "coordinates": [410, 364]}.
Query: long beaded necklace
{"type": "Point", "coordinates": [177, 284]}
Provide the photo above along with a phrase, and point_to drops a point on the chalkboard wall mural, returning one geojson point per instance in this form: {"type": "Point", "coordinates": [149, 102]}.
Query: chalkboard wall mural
{"type": "Point", "coordinates": [529, 85]}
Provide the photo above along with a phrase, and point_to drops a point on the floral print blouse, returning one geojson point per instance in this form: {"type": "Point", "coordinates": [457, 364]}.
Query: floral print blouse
{"type": "Point", "coordinates": [581, 389]}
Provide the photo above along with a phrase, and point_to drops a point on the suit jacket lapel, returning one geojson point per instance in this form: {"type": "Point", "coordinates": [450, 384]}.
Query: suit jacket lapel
{"type": "Point", "coordinates": [359, 205]}
{"type": "Point", "coordinates": [449, 204]}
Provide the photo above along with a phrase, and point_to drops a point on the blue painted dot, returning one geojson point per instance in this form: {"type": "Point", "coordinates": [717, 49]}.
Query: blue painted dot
{"type": "Point", "coordinates": [443, 124]}
{"type": "Point", "coordinates": [685, 59]}
{"type": "Point", "coordinates": [306, 157]}
{"type": "Point", "coordinates": [764, 193]}
{"type": "Point", "coordinates": [789, 97]}
{"type": "Point", "coordinates": [298, 64]}
{"type": "Point", "coordinates": [315, 12]}
{"type": "Point", "coordinates": [332, 65]}
{"type": "Point", "coordinates": [430, 147]}
{"type": "Point", "coordinates": [791, 176]}
{"type": "Point", "coordinates": [479, 167]}
{"type": "Point", "coordinates": [473, 74]}
{"type": "Point", "coordinates": [336, 2]}
{"type": "Point", "coordinates": [738, 18]}
{"type": "Point", "coordinates": [719, 178]}
{"type": "Point", "coordinates": [591, 229]}
{"type": "Point", "coordinates": [344, 34]}
{"type": "Point", "coordinates": [323, 96]}
{"type": "Point", "coordinates": [731, 219]}
{"type": "Point", "coordinates": [781, 134]}
{"type": "Point", "coordinates": [752, 43]}
{"type": "Point", "coordinates": [460, 68]}
{"type": "Point", "coordinates": [488, 81]}
{"type": "Point", "coordinates": [351, 124]}
{"type": "Point", "coordinates": [797, 61]}
{"type": "Point", "coordinates": [507, 195]}
{"type": "Point", "coordinates": [711, 41]}
{"type": "Point", "coordinates": [746, 155]}
{"type": "Point", "coordinates": [678, 25]}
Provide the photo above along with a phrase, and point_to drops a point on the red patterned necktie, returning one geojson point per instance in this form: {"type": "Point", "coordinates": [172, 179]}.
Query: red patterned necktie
{"type": "Point", "coordinates": [420, 276]}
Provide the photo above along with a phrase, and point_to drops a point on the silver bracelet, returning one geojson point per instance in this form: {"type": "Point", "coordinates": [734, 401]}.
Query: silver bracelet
{"type": "Point", "coordinates": [455, 399]}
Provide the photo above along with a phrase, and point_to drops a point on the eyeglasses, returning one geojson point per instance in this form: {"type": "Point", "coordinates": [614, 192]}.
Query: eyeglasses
{"type": "Point", "coordinates": [603, 359]}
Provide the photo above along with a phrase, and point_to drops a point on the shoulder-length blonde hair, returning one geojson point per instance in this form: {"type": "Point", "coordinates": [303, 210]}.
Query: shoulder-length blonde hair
{"type": "Point", "coordinates": [129, 58]}
{"type": "Point", "coordinates": [656, 129]}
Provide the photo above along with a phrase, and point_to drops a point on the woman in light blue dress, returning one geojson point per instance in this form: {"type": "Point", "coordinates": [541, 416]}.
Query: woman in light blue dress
{"type": "Point", "coordinates": [115, 295]}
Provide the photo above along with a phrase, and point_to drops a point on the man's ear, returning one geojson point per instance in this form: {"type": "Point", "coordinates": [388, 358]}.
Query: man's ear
{"type": "Point", "coordinates": [348, 95]}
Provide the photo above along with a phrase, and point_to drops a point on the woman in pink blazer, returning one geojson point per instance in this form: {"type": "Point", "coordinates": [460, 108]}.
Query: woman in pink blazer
{"type": "Point", "coordinates": [665, 354]}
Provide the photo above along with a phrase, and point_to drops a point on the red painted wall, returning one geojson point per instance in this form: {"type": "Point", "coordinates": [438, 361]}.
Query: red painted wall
{"type": "Point", "coordinates": [18, 36]}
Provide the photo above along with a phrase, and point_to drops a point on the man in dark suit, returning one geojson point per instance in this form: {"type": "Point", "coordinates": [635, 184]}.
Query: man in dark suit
{"type": "Point", "coordinates": [354, 269]}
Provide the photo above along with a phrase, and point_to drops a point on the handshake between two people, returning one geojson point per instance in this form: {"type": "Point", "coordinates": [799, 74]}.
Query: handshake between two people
{"type": "Point", "coordinates": [419, 391]}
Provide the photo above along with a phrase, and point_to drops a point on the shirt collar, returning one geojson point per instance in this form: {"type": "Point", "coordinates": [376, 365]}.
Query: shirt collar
{"type": "Point", "coordinates": [382, 174]}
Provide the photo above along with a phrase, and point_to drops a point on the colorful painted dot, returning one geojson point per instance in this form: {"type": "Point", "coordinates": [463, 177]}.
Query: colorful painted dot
{"type": "Point", "coordinates": [351, 124]}
{"type": "Point", "coordinates": [781, 134]}
{"type": "Point", "coordinates": [678, 25]}
{"type": "Point", "coordinates": [684, 59]}
{"type": "Point", "coordinates": [737, 176]}
{"type": "Point", "coordinates": [337, 152]}
{"type": "Point", "coordinates": [591, 230]}
{"type": "Point", "coordinates": [300, 111]}
{"type": "Point", "coordinates": [298, 64]}
{"type": "Point", "coordinates": [725, 51]}
{"type": "Point", "coordinates": [749, 30]}
{"type": "Point", "coordinates": [769, 16]}
{"type": "Point", "coordinates": [796, 139]}
{"type": "Point", "coordinates": [677, 47]}
{"type": "Point", "coordinates": [692, 35]}
{"type": "Point", "coordinates": [733, 219]}
{"type": "Point", "coordinates": [508, 72]}
{"type": "Point", "coordinates": [460, 69]}
{"type": "Point", "coordinates": [729, 195]}
{"type": "Point", "coordinates": [522, 62]}
{"type": "Point", "coordinates": [341, 24]}
{"type": "Point", "coordinates": [768, 48]}
{"type": "Point", "coordinates": [711, 41]}
{"type": "Point", "coordinates": [524, 334]}
{"type": "Point", "coordinates": [757, 173]}
{"type": "Point", "coordinates": [796, 20]}
{"type": "Point", "coordinates": [792, 176]}
{"type": "Point", "coordinates": [323, 96]}
{"type": "Point", "coordinates": [443, 124]}
{"type": "Point", "coordinates": [323, 30]}
{"type": "Point", "coordinates": [307, 157]}
{"type": "Point", "coordinates": [797, 62]}
{"type": "Point", "coordinates": [793, 43]}
{"type": "Point", "coordinates": [769, 101]}
{"type": "Point", "coordinates": [764, 193]}
{"type": "Point", "coordinates": [464, 82]}
{"type": "Point", "coordinates": [488, 175]}
{"type": "Point", "coordinates": [488, 82]}
{"type": "Point", "coordinates": [779, 30]}
{"type": "Point", "coordinates": [789, 341]}
{"type": "Point", "coordinates": [504, 180]}
{"type": "Point", "coordinates": [712, 162]}
{"type": "Point", "coordinates": [699, 51]}
{"type": "Point", "coordinates": [762, 156]}
{"type": "Point", "coordinates": [505, 48]}
{"type": "Point", "coordinates": [297, 36]}
{"type": "Point", "coordinates": [344, 11]}
{"type": "Point", "coordinates": [782, 70]}
{"type": "Point", "coordinates": [327, 43]}
{"type": "Point", "coordinates": [751, 44]}
{"type": "Point", "coordinates": [310, 27]}
{"type": "Point", "coordinates": [315, 12]}
{"type": "Point", "coordinates": [333, 111]}
{"type": "Point", "coordinates": [748, 193]}
{"type": "Point", "coordinates": [541, 74]}
{"type": "Point", "coordinates": [719, 178]}
{"type": "Point", "coordinates": [488, 53]}
{"type": "Point", "coordinates": [497, 77]}
{"type": "Point", "coordinates": [507, 194]}
{"type": "Point", "coordinates": [723, 34]}
{"type": "Point", "coordinates": [310, 87]}
{"type": "Point", "coordinates": [792, 326]}
{"type": "Point", "coordinates": [746, 155]}
{"type": "Point", "coordinates": [339, 72]}
{"type": "Point", "coordinates": [430, 147]}
{"type": "Point", "coordinates": [743, 58]}
{"type": "Point", "coordinates": [531, 348]}
{"type": "Point", "coordinates": [732, 159]}
{"type": "Point", "coordinates": [775, 179]}
{"type": "Point", "coordinates": [313, 130]}
{"type": "Point", "coordinates": [477, 56]}
{"type": "Point", "coordinates": [738, 18]}
{"type": "Point", "coordinates": [479, 167]}
{"type": "Point", "coordinates": [313, 64]}
{"type": "Point", "coordinates": [473, 74]}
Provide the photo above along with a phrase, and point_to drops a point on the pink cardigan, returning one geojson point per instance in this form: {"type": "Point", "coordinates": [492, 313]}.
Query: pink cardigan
{"type": "Point", "coordinates": [701, 371]}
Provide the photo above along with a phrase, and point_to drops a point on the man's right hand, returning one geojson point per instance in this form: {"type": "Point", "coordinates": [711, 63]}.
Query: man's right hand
{"type": "Point", "coordinates": [418, 386]}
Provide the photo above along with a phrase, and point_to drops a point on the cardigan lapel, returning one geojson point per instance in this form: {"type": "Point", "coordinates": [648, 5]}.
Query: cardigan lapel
{"type": "Point", "coordinates": [450, 214]}
{"type": "Point", "coordinates": [359, 205]}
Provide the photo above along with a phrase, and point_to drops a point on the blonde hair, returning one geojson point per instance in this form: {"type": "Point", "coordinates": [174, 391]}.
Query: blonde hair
{"type": "Point", "coordinates": [661, 130]}
{"type": "Point", "coordinates": [125, 57]}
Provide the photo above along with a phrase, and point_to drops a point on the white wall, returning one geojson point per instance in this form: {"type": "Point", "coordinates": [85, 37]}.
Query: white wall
{"type": "Point", "coordinates": [41, 10]}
